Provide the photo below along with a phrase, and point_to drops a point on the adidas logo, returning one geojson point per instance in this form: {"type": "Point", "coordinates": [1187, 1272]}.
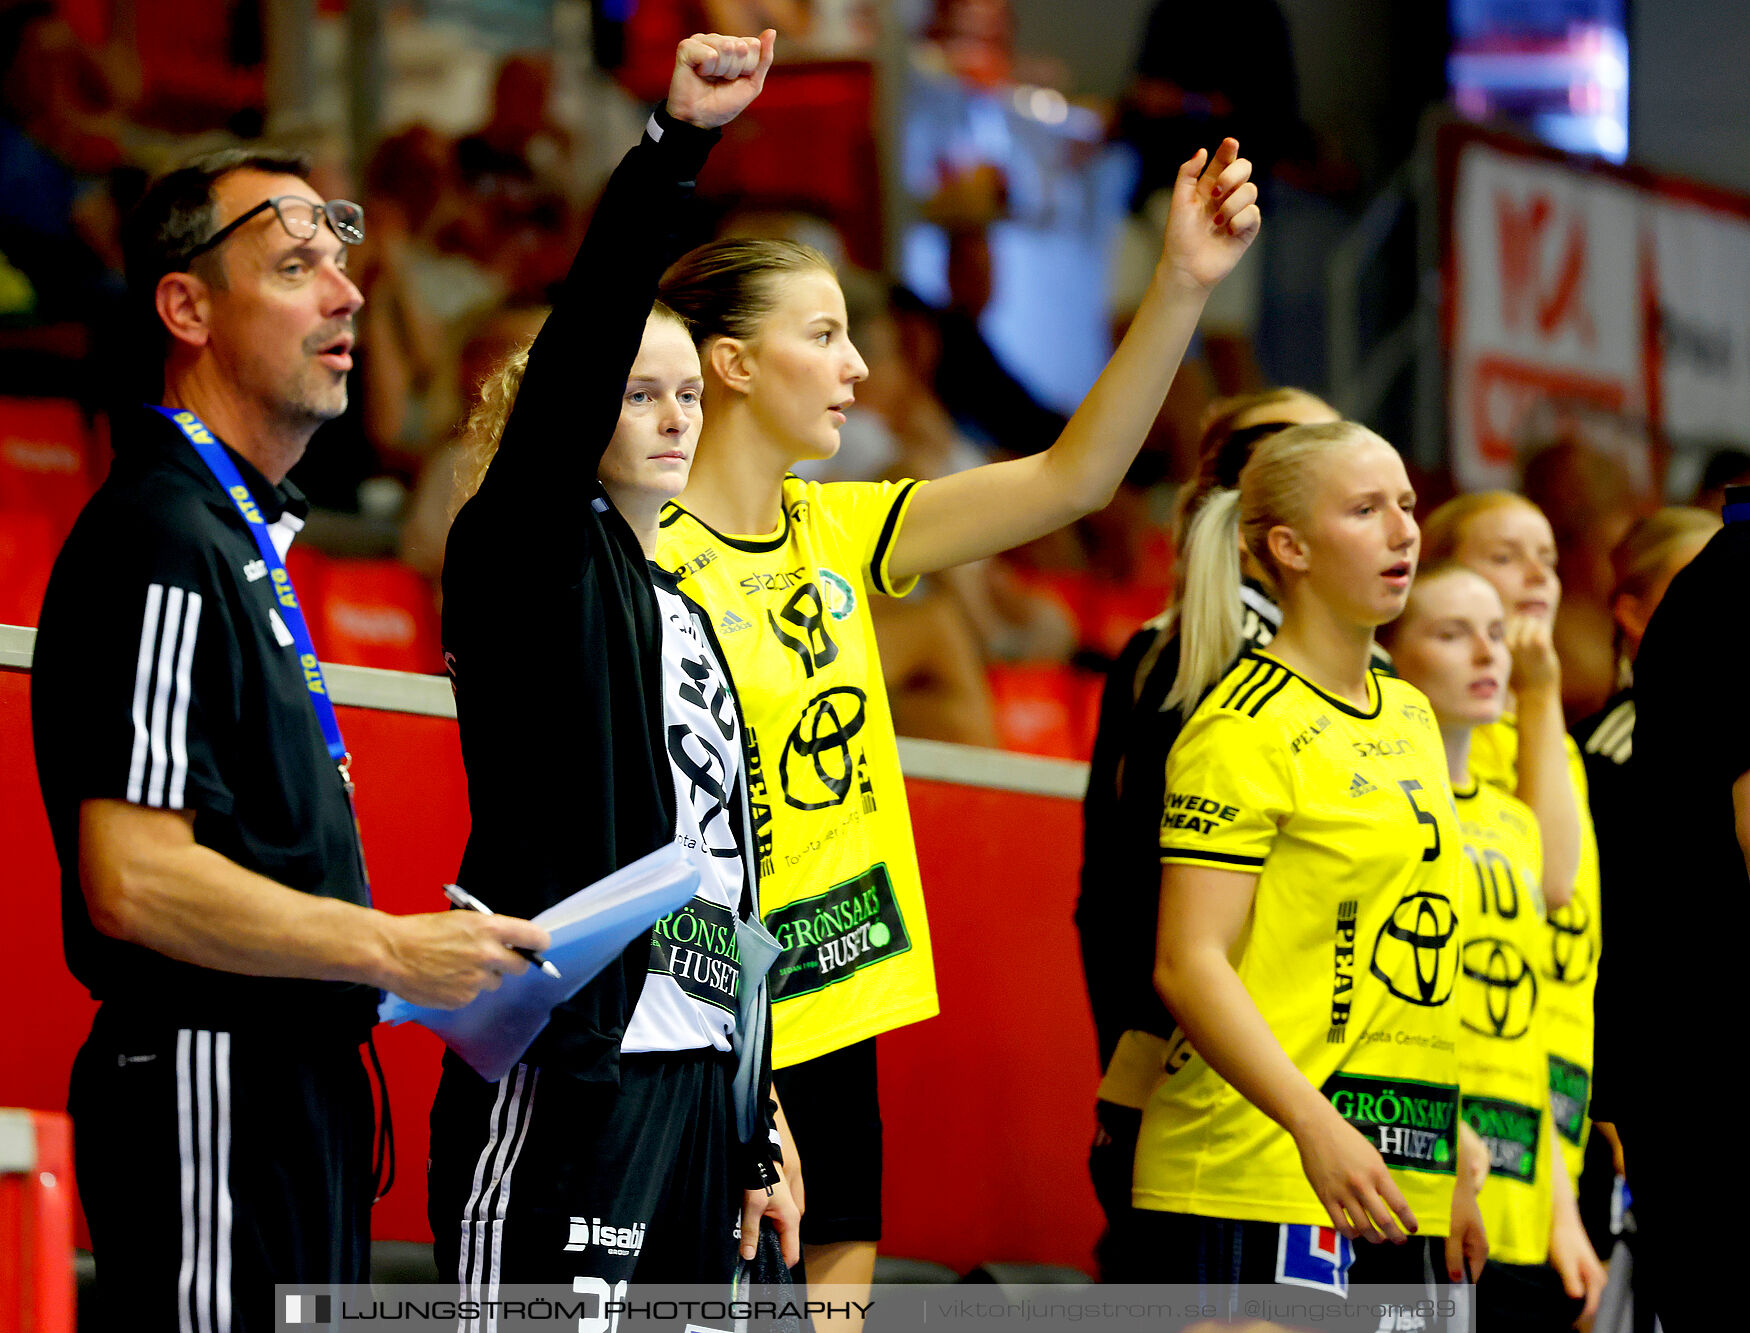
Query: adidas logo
{"type": "Point", "coordinates": [1361, 786]}
{"type": "Point", "coordinates": [732, 623]}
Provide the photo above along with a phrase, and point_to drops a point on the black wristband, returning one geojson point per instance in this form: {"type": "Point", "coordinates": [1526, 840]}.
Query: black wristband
{"type": "Point", "coordinates": [687, 146]}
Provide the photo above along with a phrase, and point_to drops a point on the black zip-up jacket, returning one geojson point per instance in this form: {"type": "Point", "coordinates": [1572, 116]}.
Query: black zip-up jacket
{"type": "Point", "coordinates": [550, 625]}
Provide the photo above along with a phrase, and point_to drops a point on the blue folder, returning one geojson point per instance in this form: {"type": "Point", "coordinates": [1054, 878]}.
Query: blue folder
{"type": "Point", "coordinates": [590, 929]}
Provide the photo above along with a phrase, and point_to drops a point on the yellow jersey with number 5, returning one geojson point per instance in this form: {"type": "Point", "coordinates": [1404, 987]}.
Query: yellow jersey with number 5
{"type": "Point", "coordinates": [839, 883]}
{"type": "Point", "coordinates": [1350, 951]}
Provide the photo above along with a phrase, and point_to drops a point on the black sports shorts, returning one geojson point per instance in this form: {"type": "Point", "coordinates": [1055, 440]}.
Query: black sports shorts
{"type": "Point", "coordinates": [833, 1107]}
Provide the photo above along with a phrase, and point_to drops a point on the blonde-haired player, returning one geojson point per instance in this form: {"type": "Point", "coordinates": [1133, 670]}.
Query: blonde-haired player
{"type": "Point", "coordinates": [1451, 643]}
{"type": "Point", "coordinates": [1507, 539]}
{"type": "Point", "coordinates": [1309, 848]}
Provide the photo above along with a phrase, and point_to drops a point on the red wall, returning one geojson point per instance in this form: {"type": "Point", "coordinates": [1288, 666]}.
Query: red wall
{"type": "Point", "coordinates": [988, 1108]}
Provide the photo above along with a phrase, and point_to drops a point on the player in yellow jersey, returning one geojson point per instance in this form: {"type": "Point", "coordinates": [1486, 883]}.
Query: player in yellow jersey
{"type": "Point", "coordinates": [1309, 849]}
{"type": "Point", "coordinates": [786, 569]}
{"type": "Point", "coordinates": [1506, 539]}
{"type": "Point", "coordinates": [1451, 643]}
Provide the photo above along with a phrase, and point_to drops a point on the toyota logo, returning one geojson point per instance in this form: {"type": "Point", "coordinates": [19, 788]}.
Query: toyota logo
{"type": "Point", "coordinates": [1571, 949]}
{"type": "Point", "coordinates": [1500, 993]}
{"type": "Point", "coordinates": [1410, 953]}
{"type": "Point", "coordinates": [816, 768]}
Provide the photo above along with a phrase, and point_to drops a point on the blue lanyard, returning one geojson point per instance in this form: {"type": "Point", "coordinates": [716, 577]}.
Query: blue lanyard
{"type": "Point", "coordinates": [291, 613]}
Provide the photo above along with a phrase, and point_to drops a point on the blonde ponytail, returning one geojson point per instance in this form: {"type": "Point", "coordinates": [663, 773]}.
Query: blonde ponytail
{"type": "Point", "coordinates": [1209, 600]}
{"type": "Point", "coordinates": [1276, 488]}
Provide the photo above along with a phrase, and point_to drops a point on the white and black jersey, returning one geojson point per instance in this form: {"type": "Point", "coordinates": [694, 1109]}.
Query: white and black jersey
{"type": "Point", "coordinates": [689, 996]}
{"type": "Point", "coordinates": [164, 676]}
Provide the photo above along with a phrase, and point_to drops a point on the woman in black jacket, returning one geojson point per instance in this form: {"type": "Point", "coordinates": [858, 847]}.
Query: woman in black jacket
{"type": "Point", "coordinates": [598, 723]}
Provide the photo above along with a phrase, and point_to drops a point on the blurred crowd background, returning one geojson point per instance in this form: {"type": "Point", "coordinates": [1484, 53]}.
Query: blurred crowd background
{"type": "Point", "coordinates": [989, 176]}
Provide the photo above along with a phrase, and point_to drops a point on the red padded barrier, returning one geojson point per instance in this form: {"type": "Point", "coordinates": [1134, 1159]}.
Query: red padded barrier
{"type": "Point", "coordinates": [36, 1227]}
{"type": "Point", "coordinates": [1044, 708]}
{"type": "Point", "coordinates": [28, 543]}
{"type": "Point", "coordinates": [988, 1108]}
{"type": "Point", "coordinates": [375, 613]}
{"type": "Point", "coordinates": [46, 457]}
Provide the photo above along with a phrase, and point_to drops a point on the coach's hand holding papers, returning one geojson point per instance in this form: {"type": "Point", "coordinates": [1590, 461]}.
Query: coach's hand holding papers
{"type": "Point", "coordinates": [589, 929]}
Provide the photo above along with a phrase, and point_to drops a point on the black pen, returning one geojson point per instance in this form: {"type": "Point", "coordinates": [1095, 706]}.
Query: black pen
{"type": "Point", "coordinates": [462, 898]}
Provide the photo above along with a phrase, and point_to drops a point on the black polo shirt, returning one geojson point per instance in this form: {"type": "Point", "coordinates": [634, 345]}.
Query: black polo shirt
{"type": "Point", "coordinates": [1672, 975]}
{"type": "Point", "coordinates": [164, 676]}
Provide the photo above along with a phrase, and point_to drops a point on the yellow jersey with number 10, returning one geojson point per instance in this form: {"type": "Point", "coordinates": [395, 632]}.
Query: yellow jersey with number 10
{"type": "Point", "coordinates": [1573, 937]}
{"type": "Point", "coordinates": [839, 884]}
{"type": "Point", "coordinates": [1502, 1053]}
{"type": "Point", "coordinates": [1350, 951]}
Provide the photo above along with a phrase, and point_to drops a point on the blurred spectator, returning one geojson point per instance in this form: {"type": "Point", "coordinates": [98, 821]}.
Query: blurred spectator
{"type": "Point", "coordinates": [381, 434]}
{"type": "Point", "coordinates": [515, 216]}
{"type": "Point", "coordinates": [1016, 197]}
{"type": "Point", "coordinates": [978, 390]}
{"type": "Point", "coordinates": [1194, 85]}
{"type": "Point", "coordinates": [1728, 466]}
{"type": "Point", "coordinates": [62, 106]}
{"type": "Point", "coordinates": [916, 437]}
{"type": "Point", "coordinates": [974, 40]}
{"type": "Point", "coordinates": [935, 680]}
{"type": "Point", "coordinates": [441, 487]}
{"type": "Point", "coordinates": [1590, 499]}
{"type": "Point", "coordinates": [638, 48]}
{"type": "Point", "coordinates": [411, 192]}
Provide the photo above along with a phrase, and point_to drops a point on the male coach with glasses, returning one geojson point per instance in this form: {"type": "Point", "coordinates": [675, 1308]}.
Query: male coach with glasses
{"type": "Point", "coordinates": [213, 890]}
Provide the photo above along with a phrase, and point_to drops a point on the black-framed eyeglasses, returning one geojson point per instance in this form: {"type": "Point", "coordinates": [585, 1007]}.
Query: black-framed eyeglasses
{"type": "Point", "coordinates": [300, 218]}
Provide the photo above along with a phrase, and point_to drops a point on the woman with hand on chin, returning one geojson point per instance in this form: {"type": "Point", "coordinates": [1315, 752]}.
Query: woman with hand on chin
{"type": "Point", "coordinates": [1309, 849]}
{"type": "Point", "coordinates": [1451, 643]}
{"type": "Point", "coordinates": [598, 723]}
{"type": "Point", "coordinates": [1528, 752]}
{"type": "Point", "coordinates": [788, 566]}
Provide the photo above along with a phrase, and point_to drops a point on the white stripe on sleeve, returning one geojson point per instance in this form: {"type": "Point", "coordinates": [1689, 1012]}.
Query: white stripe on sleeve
{"type": "Point", "coordinates": [142, 685]}
{"type": "Point", "coordinates": [161, 695]}
{"type": "Point", "coordinates": [179, 715]}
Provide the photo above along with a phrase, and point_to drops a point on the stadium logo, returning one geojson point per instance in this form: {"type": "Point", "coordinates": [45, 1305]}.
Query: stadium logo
{"type": "Point", "coordinates": [1571, 952]}
{"type": "Point", "coordinates": [841, 598]}
{"type": "Point", "coordinates": [1412, 953]}
{"type": "Point", "coordinates": [1500, 996]}
{"type": "Point", "coordinates": [817, 769]}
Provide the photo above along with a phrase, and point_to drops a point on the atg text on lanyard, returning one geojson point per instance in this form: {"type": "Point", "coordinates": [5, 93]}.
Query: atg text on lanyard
{"type": "Point", "coordinates": [291, 613]}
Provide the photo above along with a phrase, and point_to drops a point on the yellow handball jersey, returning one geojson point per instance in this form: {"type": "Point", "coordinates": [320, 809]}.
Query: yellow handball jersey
{"type": "Point", "coordinates": [1351, 950]}
{"type": "Point", "coordinates": [839, 882]}
{"type": "Point", "coordinates": [1502, 1057]}
{"type": "Point", "coordinates": [1567, 962]}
